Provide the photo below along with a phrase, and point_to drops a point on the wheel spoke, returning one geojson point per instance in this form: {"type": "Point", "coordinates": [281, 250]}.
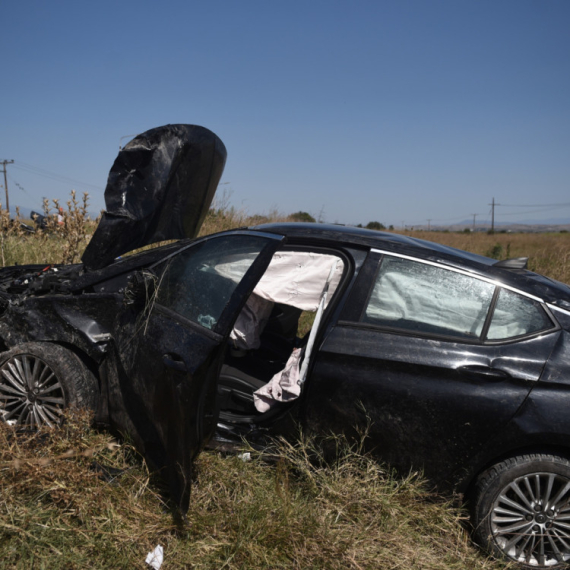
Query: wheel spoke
{"type": "Point", "coordinates": [516, 506]}
{"type": "Point", "coordinates": [507, 512]}
{"type": "Point", "coordinates": [522, 547]}
{"type": "Point", "coordinates": [36, 370]}
{"type": "Point", "coordinates": [533, 497]}
{"type": "Point", "coordinates": [28, 372]}
{"type": "Point", "coordinates": [60, 401]}
{"type": "Point", "coordinates": [6, 388]}
{"type": "Point", "coordinates": [560, 494]}
{"type": "Point", "coordinates": [50, 389]}
{"type": "Point", "coordinates": [541, 550]}
{"type": "Point", "coordinates": [41, 413]}
{"type": "Point", "coordinates": [14, 381]}
{"type": "Point", "coordinates": [512, 528]}
{"type": "Point", "coordinates": [515, 487]}
{"type": "Point", "coordinates": [560, 524]}
{"type": "Point", "coordinates": [52, 409]}
{"type": "Point", "coordinates": [47, 379]}
{"type": "Point", "coordinates": [14, 411]}
{"type": "Point", "coordinates": [18, 366]}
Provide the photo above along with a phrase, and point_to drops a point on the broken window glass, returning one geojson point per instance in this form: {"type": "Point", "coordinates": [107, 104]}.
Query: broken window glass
{"type": "Point", "coordinates": [516, 315]}
{"type": "Point", "coordinates": [199, 282]}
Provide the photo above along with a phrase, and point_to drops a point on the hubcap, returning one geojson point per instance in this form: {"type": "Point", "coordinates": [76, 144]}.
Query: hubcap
{"type": "Point", "coordinates": [30, 393]}
{"type": "Point", "coordinates": [530, 520]}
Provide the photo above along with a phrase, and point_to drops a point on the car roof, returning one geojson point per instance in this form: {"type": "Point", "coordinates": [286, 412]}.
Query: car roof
{"type": "Point", "coordinates": [538, 285]}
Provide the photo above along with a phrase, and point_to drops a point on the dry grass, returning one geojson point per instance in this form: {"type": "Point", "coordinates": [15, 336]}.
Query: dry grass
{"type": "Point", "coordinates": [292, 512]}
{"type": "Point", "coordinates": [57, 243]}
{"type": "Point", "coordinates": [548, 253]}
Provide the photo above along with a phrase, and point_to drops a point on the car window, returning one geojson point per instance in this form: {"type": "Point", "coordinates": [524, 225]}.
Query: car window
{"type": "Point", "coordinates": [199, 282]}
{"type": "Point", "coordinates": [425, 299]}
{"type": "Point", "coordinates": [516, 315]}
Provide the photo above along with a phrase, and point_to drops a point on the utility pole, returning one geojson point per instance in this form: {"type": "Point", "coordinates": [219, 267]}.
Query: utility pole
{"type": "Point", "coordinates": [474, 216]}
{"type": "Point", "coordinates": [493, 204]}
{"type": "Point", "coordinates": [429, 224]}
{"type": "Point", "coordinates": [4, 163]}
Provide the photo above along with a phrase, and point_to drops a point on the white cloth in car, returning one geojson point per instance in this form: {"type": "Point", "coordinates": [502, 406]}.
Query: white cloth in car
{"type": "Point", "coordinates": [284, 385]}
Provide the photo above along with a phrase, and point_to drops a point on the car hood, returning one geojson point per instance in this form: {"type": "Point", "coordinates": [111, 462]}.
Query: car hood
{"type": "Point", "coordinates": [159, 188]}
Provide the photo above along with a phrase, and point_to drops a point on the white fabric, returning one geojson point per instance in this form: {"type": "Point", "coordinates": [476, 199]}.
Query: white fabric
{"type": "Point", "coordinates": [296, 278]}
{"type": "Point", "coordinates": [250, 322]}
{"type": "Point", "coordinates": [284, 385]}
{"type": "Point", "coordinates": [293, 278]}
{"type": "Point", "coordinates": [410, 291]}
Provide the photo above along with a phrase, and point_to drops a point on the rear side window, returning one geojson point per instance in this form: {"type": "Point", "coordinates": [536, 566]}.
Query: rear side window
{"type": "Point", "coordinates": [516, 315]}
{"type": "Point", "coordinates": [421, 298]}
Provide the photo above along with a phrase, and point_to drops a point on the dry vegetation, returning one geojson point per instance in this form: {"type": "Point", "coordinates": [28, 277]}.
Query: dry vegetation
{"type": "Point", "coordinates": [548, 253]}
{"type": "Point", "coordinates": [96, 506]}
{"type": "Point", "coordinates": [75, 499]}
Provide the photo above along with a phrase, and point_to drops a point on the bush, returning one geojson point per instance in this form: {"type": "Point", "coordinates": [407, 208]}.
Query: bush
{"type": "Point", "coordinates": [375, 226]}
{"type": "Point", "coordinates": [302, 217]}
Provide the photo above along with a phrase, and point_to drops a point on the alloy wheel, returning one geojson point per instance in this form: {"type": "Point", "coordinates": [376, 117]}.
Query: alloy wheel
{"type": "Point", "coordinates": [530, 519]}
{"type": "Point", "coordinates": [30, 393]}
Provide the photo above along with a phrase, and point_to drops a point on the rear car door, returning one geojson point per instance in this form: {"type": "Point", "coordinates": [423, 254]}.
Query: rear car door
{"type": "Point", "coordinates": [433, 360]}
{"type": "Point", "coordinates": [162, 386]}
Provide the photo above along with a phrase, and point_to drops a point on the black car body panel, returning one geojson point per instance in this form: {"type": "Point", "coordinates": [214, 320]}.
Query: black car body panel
{"type": "Point", "coordinates": [159, 188]}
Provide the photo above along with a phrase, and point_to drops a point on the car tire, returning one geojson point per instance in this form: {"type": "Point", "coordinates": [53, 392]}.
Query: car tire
{"type": "Point", "coordinates": [521, 510]}
{"type": "Point", "coordinates": [38, 381]}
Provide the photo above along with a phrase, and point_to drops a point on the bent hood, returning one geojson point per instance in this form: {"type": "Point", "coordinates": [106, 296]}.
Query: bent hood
{"type": "Point", "coordinates": [159, 188]}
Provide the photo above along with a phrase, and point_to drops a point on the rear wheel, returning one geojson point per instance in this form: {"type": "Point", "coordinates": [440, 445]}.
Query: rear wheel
{"type": "Point", "coordinates": [522, 510]}
{"type": "Point", "coordinates": [39, 380]}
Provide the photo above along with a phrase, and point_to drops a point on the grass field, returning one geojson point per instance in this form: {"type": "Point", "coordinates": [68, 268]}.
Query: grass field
{"type": "Point", "coordinates": [75, 498]}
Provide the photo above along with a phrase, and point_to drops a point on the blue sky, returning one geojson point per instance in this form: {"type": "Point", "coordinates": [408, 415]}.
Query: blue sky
{"type": "Point", "coordinates": [398, 111]}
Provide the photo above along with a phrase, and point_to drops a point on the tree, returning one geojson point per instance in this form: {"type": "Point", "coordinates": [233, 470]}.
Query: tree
{"type": "Point", "coordinates": [375, 226]}
{"type": "Point", "coordinates": [302, 217]}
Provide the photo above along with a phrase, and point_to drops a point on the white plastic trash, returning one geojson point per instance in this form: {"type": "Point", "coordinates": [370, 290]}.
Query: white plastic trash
{"type": "Point", "coordinates": [155, 558]}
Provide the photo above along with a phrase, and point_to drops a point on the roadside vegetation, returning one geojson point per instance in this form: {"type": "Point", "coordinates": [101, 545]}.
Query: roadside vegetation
{"type": "Point", "coordinates": [78, 498]}
{"type": "Point", "coordinates": [75, 498]}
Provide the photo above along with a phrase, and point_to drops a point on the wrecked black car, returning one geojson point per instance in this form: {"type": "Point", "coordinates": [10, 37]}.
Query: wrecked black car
{"type": "Point", "coordinates": [454, 363]}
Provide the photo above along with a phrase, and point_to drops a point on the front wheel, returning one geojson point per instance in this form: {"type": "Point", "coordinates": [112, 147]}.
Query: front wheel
{"type": "Point", "coordinates": [39, 380]}
{"type": "Point", "coordinates": [522, 510]}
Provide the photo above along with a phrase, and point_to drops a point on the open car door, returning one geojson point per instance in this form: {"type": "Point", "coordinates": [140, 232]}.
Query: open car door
{"type": "Point", "coordinates": [163, 381]}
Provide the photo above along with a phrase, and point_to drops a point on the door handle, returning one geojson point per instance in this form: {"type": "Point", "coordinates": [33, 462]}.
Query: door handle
{"type": "Point", "coordinates": [174, 361]}
{"type": "Point", "coordinates": [484, 372]}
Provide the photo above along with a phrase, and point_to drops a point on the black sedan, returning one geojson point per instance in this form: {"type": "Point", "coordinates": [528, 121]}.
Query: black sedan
{"type": "Point", "coordinates": [454, 363]}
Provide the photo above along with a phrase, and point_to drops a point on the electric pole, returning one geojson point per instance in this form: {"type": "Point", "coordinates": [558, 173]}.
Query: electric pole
{"type": "Point", "coordinates": [429, 224]}
{"type": "Point", "coordinates": [4, 163]}
{"type": "Point", "coordinates": [474, 216]}
{"type": "Point", "coordinates": [493, 204]}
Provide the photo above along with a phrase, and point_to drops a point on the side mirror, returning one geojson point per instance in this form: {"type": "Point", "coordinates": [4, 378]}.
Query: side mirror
{"type": "Point", "coordinates": [141, 288]}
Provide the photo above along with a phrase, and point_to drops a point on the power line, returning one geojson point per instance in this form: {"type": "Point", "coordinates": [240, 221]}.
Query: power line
{"type": "Point", "coordinates": [535, 205]}
{"type": "Point", "coordinates": [31, 169]}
